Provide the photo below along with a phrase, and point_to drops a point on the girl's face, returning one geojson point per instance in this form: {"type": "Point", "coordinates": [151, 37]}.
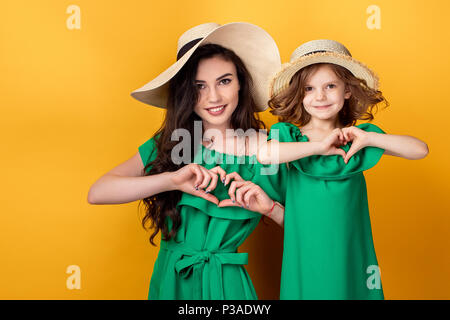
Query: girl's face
{"type": "Point", "coordinates": [325, 94]}
{"type": "Point", "coordinates": [218, 88]}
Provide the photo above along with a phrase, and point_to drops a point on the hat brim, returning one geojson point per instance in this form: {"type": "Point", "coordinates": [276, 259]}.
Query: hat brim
{"type": "Point", "coordinates": [282, 79]}
{"type": "Point", "coordinates": [252, 44]}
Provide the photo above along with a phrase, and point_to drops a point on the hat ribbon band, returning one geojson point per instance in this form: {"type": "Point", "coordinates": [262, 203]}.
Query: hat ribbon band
{"type": "Point", "coordinates": [187, 47]}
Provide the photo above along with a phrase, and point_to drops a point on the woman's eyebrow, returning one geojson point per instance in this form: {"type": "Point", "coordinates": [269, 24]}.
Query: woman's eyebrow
{"type": "Point", "coordinates": [223, 76]}
{"type": "Point", "coordinates": [219, 78]}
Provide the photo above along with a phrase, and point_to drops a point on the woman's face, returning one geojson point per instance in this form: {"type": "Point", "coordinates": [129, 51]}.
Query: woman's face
{"type": "Point", "coordinates": [325, 94]}
{"type": "Point", "coordinates": [218, 92]}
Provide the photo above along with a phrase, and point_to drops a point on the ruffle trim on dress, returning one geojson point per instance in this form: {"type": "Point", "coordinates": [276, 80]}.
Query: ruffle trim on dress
{"type": "Point", "coordinates": [331, 167]}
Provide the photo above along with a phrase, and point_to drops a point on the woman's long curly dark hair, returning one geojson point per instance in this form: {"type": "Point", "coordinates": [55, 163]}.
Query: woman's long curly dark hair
{"type": "Point", "coordinates": [161, 208]}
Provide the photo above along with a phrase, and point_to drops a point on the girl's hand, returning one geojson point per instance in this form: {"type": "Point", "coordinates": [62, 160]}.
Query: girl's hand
{"type": "Point", "coordinates": [359, 139]}
{"type": "Point", "coordinates": [330, 145]}
{"type": "Point", "coordinates": [192, 179]}
{"type": "Point", "coordinates": [247, 195]}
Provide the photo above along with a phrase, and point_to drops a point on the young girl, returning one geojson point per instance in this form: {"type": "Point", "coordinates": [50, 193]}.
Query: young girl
{"type": "Point", "coordinates": [209, 85]}
{"type": "Point", "coordinates": [318, 97]}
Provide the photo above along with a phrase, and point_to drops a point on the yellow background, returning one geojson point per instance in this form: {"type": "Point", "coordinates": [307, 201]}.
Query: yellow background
{"type": "Point", "coordinates": [67, 118]}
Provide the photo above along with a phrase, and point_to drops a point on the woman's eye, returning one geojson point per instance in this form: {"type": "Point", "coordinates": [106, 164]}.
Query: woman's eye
{"type": "Point", "coordinates": [200, 86]}
{"type": "Point", "coordinates": [331, 86]}
{"type": "Point", "coordinates": [225, 81]}
{"type": "Point", "coordinates": [308, 89]}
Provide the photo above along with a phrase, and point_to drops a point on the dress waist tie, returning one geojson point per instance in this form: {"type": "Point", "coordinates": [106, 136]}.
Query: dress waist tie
{"type": "Point", "coordinates": [200, 264]}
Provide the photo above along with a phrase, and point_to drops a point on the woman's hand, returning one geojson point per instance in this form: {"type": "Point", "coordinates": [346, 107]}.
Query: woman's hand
{"type": "Point", "coordinates": [359, 139]}
{"type": "Point", "coordinates": [192, 179]}
{"type": "Point", "coordinates": [247, 195]}
{"type": "Point", "coordinates": [330, 145]}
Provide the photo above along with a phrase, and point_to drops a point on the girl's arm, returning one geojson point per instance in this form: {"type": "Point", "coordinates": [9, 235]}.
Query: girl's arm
{"type": "Point", "coordinates": [126, 183]}
{"type": "Point", "coordinates": [399, 145]}
{"type": "Point", "coordinates": [280, 152]}
{"type": "Point", "coordinates": [396, 145]}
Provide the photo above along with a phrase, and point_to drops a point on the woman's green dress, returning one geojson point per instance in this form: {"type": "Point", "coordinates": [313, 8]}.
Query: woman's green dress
{"type": "Point", "coordinates": [203, 262]}
{"type": "Point", "coordinates": [328, 247]}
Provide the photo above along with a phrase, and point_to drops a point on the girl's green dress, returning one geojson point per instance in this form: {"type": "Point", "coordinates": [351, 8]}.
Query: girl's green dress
{"type": "Point", "coordinates": [328, 247]}
{"type": "Point", "coordinates": [203, 261]}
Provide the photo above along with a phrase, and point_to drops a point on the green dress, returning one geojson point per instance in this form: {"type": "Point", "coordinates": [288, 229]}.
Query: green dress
{"type": "Point", "coordinates": [328, 250]}
{"type": "Point", "coordinates": [203, 261]}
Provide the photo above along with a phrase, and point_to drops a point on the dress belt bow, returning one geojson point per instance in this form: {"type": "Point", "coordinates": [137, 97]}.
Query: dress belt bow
{"type": "Point", "coordinates": [205, 266]}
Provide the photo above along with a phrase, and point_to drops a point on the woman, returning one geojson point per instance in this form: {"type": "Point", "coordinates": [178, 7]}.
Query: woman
{"type": "Point", "coordinates": [201, 221]}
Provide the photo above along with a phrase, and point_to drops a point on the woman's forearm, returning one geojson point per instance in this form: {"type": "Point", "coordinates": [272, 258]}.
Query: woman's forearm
{"type": "Point", "coordinates": [280, 152]}
{"type": "Point", "coordinates": [399, 145]}
{"type": "Point", "coordinates": [115, 189]}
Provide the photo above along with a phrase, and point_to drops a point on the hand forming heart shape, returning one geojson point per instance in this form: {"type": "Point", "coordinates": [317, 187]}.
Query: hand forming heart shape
{"type": "Point", "coordinates": [193, 178]}
{"type": "Point", "coordinates": [340, 137]}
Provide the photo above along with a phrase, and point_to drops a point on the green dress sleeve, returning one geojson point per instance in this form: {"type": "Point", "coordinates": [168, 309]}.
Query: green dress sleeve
{"type": "Point", "coordinates": [330, 167]}
{"type": "Point", "coordinates": [148, 152]}
{"type": "Point", "coordinates": [286, 132]}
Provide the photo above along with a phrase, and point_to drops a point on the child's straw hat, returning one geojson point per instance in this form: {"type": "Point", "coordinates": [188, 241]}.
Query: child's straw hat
{"type": "Point", "coordinates": [321, 51]}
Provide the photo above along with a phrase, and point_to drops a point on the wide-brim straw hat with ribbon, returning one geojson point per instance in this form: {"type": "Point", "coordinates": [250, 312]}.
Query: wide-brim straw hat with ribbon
{"type": "Point", "coordinates": [252, 44]}
{"type": "Point", "coordinates": [321, 51]}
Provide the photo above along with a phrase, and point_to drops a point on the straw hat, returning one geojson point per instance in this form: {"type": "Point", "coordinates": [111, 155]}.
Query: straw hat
{"type": "Point", "coordinates": [253, 45]}
{"type": "Point", "coordinates": [321, 51]}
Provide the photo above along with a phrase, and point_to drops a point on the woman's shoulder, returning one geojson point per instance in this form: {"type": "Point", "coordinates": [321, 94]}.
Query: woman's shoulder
{"type": "Point", "coordinates": [148, 149]}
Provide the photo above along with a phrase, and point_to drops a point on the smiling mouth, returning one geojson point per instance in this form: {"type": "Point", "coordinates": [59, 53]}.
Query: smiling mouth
{"type": "Point", "coordinates": [216, 110]}
{"type": "Point", "coordinates": [323, 107]}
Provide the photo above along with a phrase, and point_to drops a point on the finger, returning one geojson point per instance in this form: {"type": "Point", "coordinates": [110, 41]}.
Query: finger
{"type": "Point", "coordinates": [345, 132]}
{"type": "Point", "coordinates": [232, 189]}
{"type": "Point", "coordinates": [206, 178]}
{"type": "Point", "coordinates": [252, 192]}
{"type": "Point", "coordinates": [343, 137]}
{"type": "Point", "coordinates": [337, 136]}
{"type": "Point", "coordinates": [234, 175]}
{"type": "Point", "coordinates": [227, 203]}
{"type": "Point", "coordinates": [213, 182]}
{"type": "Point", "coordinates": [351, 152]}
{"type": "Point", "coordinates": [219, 170]}
{"type": "Point", "coordinates": [206, 196]}
{"type": "Point", "coordinates": [198, 175]}
{"type": "Point", "coordinates": [240, 193]}
{"type": "Point", "coordinates": [340, 152]}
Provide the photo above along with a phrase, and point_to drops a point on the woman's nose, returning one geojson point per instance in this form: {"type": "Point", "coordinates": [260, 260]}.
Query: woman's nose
{"type": "Point", "coordinates": [214, 95]}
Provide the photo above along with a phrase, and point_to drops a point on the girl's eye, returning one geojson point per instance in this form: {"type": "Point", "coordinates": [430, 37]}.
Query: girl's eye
{"type": "Point", "coordinates": [308, 89]}
{"type": "Point", "coordinates": [331, 86]}
{"type": "Point", "coordinates": [225, 81]}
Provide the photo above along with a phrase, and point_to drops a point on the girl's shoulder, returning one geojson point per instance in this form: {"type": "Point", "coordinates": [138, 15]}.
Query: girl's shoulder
{"type": "Point", "coordinates": [370, 127]}
{"type": "Point", "coordinates": [283, 125]}
{"type": "Point", "coordinates": [286, 132]}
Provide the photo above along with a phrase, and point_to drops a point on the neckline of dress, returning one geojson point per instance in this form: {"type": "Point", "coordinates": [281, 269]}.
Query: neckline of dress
{"type": "Point", "coordinates": [227, 154]}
